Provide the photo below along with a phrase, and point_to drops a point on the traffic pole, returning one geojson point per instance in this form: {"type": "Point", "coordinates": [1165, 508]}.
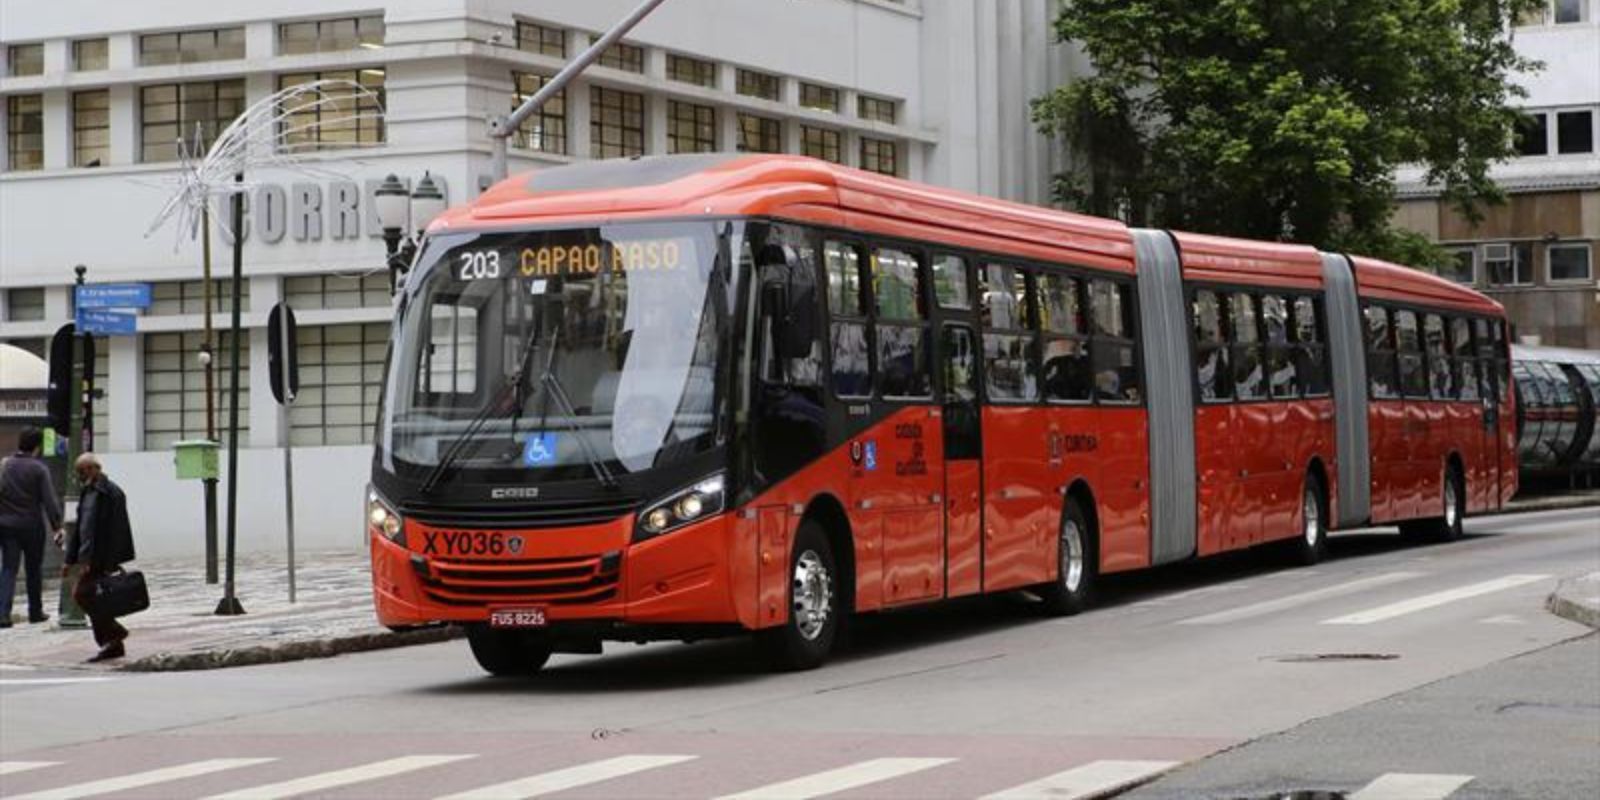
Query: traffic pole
{"type": "Point", "coordinates": [229, 605]}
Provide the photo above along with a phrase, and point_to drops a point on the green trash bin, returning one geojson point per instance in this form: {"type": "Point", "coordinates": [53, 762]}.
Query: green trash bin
{"type": "Point", "coordinates": [196, 459]}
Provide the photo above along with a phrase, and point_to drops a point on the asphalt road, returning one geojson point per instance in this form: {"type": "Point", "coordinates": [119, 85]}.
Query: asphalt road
{"type": "Point", "coordinates": [965, 700]}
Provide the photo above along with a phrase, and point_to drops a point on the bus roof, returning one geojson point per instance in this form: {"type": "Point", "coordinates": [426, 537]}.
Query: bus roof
{"type": "Point", "coordinates": [1385, 281]}
{"type": "Point", "coordinates": [1223, 259]}
{"type": "Point", "coordinates": [791, 187]}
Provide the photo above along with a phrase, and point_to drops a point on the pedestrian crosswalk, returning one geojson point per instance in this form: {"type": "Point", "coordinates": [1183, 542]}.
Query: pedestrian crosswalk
{"type": "Point", "coordinates": [870, 777]}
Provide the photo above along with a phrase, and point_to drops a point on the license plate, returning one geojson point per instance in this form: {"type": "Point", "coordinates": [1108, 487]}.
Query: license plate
{"type": "Point", "coordinates": [516, 618]}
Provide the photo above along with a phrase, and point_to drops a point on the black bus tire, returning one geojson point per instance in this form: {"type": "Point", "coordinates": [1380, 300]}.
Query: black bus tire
{"type": "Point", "coordinates": [508, 653]}
{"type": "Point", "coordinates": [806, 639]}
{"type": "Point", "coordinates": [1448, 526]}
{"type": "Point", "coordinates": [1311, 546]}
{"type": "Point", "coordinates": [1077, 567]}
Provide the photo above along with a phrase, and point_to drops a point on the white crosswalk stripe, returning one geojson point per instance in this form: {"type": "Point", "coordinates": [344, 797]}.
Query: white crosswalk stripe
{"type": "Point", "coordinates": [142, 779]}
{"type": "Point", "coordinates": [1303, 598]}
{"type": "Point", "coordinates": [342, 777]}
{"type": "Point", "coordinates": [14, 767]}
{"type": "Point", "coordinates": [1090, 780]}
{"type": "Point", "coordinates": [839, 780]}
{"type": "Point", "coordinates": [1408, 786]}
{"type": "Point", "coordinates": [1427, 601]}
{"type": "Point", "coordinates": [569, 778]}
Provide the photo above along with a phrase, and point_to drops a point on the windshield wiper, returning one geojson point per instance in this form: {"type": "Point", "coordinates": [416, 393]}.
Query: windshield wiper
{"type": "Point", "coordinates": [555, 391]}
{"type": "Point", "coordinates": [516, 385]}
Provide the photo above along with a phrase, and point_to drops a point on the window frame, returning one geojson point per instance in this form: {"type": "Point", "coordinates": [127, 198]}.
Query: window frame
{"type": "Point", "coordinates": [764, 127]}
{"type": "Point", "coordinates": [1588, 260]}
{"type": "Point", "coordinates": [15, 134]}
{"type": "Point", "coordinates": [146, 55]}
{"type": "Point", "coordinates": [1557, 131]}
{"type": "Point", "coordinates": [216, 122]}
{"type": "Point", "coordinates": [523, 34]}
{"type": "Point", "coordinates": [78, 47]}
{"type": "Point", "coordinates": [701, 119]}
{"type": "Point", "coordinates": [598, 143]}
{"type": "Point", "coordinates": [923, 323]}
{"type": "Point", "coordinates": [863, 312]}
{"type": "Point", "coordinates": [546, 119]}
{"type": "Point", "coordinates": [366, 120]}
{"type": "Point", "coordinates": [690, 70]}
{"type": "Point", "coordinates": [79, 149]}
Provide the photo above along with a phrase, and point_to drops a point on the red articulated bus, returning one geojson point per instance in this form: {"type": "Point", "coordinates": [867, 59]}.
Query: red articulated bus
{"type": "Point", "coordinates": [688, 396]}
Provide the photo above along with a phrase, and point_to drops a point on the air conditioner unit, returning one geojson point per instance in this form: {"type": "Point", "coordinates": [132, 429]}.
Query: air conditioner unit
{"type": "Point", "coordinates": [1499, 251]}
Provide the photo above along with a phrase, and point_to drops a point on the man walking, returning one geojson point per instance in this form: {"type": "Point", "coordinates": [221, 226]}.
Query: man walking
{"type": "Point", "coordinates": [28, 507]}
{"type": "Point", "coordinates": [102, 541]}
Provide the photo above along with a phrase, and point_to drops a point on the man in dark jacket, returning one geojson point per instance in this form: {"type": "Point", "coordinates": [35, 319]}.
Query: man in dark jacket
{"type": "Point", "coordinates": [102, 541]}
{"type": "Point", "coordinates": [28, 507]}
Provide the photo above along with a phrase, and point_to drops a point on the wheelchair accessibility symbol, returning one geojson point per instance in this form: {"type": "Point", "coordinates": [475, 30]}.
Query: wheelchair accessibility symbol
{"type": "Point", "coordinates": [539, 449]}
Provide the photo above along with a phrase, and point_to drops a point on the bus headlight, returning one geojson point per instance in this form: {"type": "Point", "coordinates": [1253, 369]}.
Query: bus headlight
{"type": "Point", "coordinates": [682, 507]}
{"type": "Point", "coordinates": [384, 520]}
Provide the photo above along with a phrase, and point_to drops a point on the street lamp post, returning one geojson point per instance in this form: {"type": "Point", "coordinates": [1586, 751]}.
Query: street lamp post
{"type": "Point", "coordinates": [403, 216]}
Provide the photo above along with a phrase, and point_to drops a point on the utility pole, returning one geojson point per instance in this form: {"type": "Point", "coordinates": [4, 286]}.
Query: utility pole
{"type": "Point", "coordinates": [207, 358]}
{"type": "Point", "coordinates": [229, 605]}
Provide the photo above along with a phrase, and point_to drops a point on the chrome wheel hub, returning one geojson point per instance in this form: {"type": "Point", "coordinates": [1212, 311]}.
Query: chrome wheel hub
{"type": "Point", "coordinates": [1071, 555]}
{"type": "Point", "coordinates": [813, 594]}
{"type": "Point", "coordinates": [1312, 513]}
{"type": "Point", "coordinates": [1452, 512]}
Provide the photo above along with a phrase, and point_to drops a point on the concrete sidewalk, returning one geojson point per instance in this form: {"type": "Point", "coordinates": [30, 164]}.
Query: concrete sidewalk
{"type": "Point", "coordinates": [333, 614]}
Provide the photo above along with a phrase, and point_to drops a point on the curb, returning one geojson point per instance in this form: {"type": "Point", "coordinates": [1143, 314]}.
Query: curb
{"type": "Point", "coordinates": [1576, 599]}
{"type": "Point", "coordinates": [1549, 503]}
{"type": "Point", "coordinates": [292, 651]}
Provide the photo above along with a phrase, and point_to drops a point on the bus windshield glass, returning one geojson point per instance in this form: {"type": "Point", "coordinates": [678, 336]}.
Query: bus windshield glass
{"type": "Point", "coordinates": [575, 351]}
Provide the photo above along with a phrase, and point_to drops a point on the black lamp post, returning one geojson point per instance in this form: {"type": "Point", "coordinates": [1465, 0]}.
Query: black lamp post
{"type": "Point", "coordinates": [404, 215]}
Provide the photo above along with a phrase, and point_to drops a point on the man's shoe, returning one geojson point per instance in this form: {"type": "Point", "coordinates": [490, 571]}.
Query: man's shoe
{"type": "Point", "coordinates": [110, 651]}
{"type": "Point", "coordinates": [38, 619]}
{"type": "Point", "coordinates": [5, 623]}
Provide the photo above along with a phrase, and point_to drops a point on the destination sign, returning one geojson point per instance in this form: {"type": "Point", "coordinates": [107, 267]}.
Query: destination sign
{"type": "Point", "coordinates": [556, 259]}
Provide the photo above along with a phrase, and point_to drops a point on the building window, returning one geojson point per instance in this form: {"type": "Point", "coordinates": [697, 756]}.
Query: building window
{"type": "Point", "coordinates": [1532, 135]}
{"type": "Point", "coordinates": [759, 134]}
{"type": "Point", "coordinates": [821, 98]}
{"type": "Point", "coordinates": [25, 59]}
{"type": "Point", "coordinates": [543, 39]}
{"type": "Point", "coordinates": [91, 128]}
{"type": "Point", "coordinates": [172, 111]}
{"type": "Point", "coordinates": [1567, 12]}
{"type": "Point", "coordinates": [331, 35]}
{"type": "Point", "coordinates": [89, 55]}
{"type": "Point", "coordinates": [337, 116]}
{"type": "Point", "coordinates": [188, 47]}
{"type": "Point", "coordinates": [25, 305]}
{"type": "Point", "coordinates": [545, 130]}
{"type": "Point", "coordinates": [626, 57]}
{"type": "Point", "coordinates": [691, 128]}
{"type": "Point", "coordinates": [1569, 262]}
{"type": "Point", "coordinates": [881, 156]}
{"type": "Point", "coordinates": [1462, 266]}
{"type": "Point", "coordinates": [189, 297]}
{"type": "Point", "coordinates": [25, 132]}
{"type": "Point", "coordinates": [820, 143]}
{"type": "Point", "coordinates": [691, 70]}
{"type": "Point", "coordinates": [175, 387]}
{"type": "Point", "coordinates": [1508, 263]}
{"type": "Point", "coordinates": [759, 84]}
{"type": "Point", "coordinates": [337, 291]}
{"type": "Point", "coordinates": [1574, 132]}
{"type": "Point", "coordinates": [616, 124]}
{"type": "Point", "coordinates": [875, 108]}
{"type": "Point", "coordinates": [341, 379]}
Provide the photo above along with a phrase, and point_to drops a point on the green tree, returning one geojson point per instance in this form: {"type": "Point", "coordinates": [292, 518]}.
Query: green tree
{"type": "Point", "coordinates": [1285, 119]}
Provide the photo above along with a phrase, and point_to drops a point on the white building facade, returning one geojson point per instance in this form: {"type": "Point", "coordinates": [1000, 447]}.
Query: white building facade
{"type": "Point", "coordinates": [94, 96]}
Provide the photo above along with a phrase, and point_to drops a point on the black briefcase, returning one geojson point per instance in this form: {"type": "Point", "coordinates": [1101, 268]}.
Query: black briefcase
{"type": "Point", "coordinates": [120, 593]}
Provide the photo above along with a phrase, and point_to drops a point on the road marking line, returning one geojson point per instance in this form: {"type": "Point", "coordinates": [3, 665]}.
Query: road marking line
{"type": "Point", "coordinates": [142, 779]}
{"type": "Point", "coordinates": [42, 681]}
{"type": "Point", "coordinates": [569, 778]}
{"type": "Point", "coordinates": [1502, 619]}
{"type": "Point", "coordinates": [1090, 780]}
{"type": "Point", "coordinates": [1428, 601]}
{"type": "Point", "coordinates": [838, 780]}
{"type": "Point", "coordinates": [1406, 786]}
{"type": "Point", "coordinates": [1293, 600]}
{"type": "Point", "coordinates": [14, 767]}
{"type": "Point", "coordinates": [1156, 602]}
{"type": "Point", "coordinates": [337, 778]}
{"type": "Point", "coordinates": [16, 668]}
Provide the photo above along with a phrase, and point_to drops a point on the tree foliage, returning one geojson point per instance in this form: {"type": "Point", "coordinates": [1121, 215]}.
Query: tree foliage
{"type": "Point", "coordinates": [1284, 119]}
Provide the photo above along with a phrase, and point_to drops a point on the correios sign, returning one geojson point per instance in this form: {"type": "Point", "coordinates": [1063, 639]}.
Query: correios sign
{"type": "Point", "coordinates": [311, 211]}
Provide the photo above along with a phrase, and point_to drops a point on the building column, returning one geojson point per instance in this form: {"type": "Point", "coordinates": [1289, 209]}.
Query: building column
{"type": "Point", "coordinates": [57, 129]}
{"type": "Point", "coordinates": [578, 116]}
{"type": "Point", "coordinates": [125, 392]}
{"type": "Point", "coordinates": [266, 424]}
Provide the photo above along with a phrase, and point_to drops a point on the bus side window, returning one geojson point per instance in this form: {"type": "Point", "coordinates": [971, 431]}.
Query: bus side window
{"type": "Point", "coordinates": [950, 282]}
{"type": "Point", "coordinates": [847, 331]}
{"type": "Point", "coordinates": [1463, 358]}
{"type": "Point", "coordinates": [1244, 329]}
{"type": "Point", "coordinates": [1116, 370]}
{"type": "Point", "coordinates": [1310, 352]}
{"type": "Point", "coordinates": [1408, 346]}
{"type": "Point", "coordinates": [1211, 347]}
{"type": "Point", "coordinates": [1380, 354]}
{"type": "Point", "coordinates": [1282, 369]}
{"type": "Point", "coordinates": [1009, 367]}
{"type": "Point", "coordinates": [1485, 347]}
{"type": "Point", "coordinates": [1068, 375]}
{"type": "Point", "coordinates": [1441, 385]}
{"type": "Point", "coordinates": [904, 351]}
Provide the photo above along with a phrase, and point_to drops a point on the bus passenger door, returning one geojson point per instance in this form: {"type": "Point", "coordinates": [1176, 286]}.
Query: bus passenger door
{"type": "Point", "coordinates": [963, 448]}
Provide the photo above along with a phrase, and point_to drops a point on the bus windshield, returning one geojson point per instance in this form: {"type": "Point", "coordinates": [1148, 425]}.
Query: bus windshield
{"type": "Point", "coordinates": [573, 351]}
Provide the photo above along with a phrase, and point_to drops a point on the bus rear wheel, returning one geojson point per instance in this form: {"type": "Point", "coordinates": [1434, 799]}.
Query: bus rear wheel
{"type": "Point", "coordinates": [1073, 589]}
{"type": "Point", "coordinates": [508, 653]}
{"type": "Point", "coordinates": [807, 638]}
{"type": "Point", "coordinates": [1312, 544]}
{"type": "Point", "coordinates": [1447, 527]}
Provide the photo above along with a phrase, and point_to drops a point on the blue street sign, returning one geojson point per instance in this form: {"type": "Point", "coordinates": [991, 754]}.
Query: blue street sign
{"type": "Point", "coordinates": [114, 295]}
{"type": "Point", "coordinates": [107, 323]}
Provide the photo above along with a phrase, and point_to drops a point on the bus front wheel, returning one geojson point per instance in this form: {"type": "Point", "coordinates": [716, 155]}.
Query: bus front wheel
{"type": "Point", "coordinates": [1073, 589]}
{"type": "Point", "coordinates": [1447, 527]}
{"type": "Point", "coordinates": [807, 638]}
{"type": "Point", "coordinates": [507, 653]}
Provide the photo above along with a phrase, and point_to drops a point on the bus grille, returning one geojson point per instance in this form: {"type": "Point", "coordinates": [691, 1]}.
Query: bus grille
{"type": "Point", "coordinates": [545, 514]}
{"type": "Point", "coordinates": [566, 581]}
